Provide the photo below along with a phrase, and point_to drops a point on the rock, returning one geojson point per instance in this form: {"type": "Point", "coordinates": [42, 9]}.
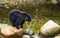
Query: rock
{"type": "Point", "coordinates": [19, 32]}
{"type": "Point", "coordinates": [59, 34]}
{"type": "Point", "coordinates": [57, 37]}
{"type": "Point", "coordinates": [26, 36]}
{"type": "Point", "coordinates": [9, 31]}
{"type": "Point", "coordinates": [35, 36]}
{"type": "Point", "coordinates": [29, 31]}
{"type": "Point", "coordinates": [3, 25]}
{"type": "Point", "coordinates": [53, 1]}
{"type": "Point", "coordinates": [1, 36]}
{"type": "Point", "coordinates": [50, 28]}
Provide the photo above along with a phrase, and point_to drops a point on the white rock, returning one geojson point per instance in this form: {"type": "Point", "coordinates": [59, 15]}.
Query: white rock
{"type": "Point", "coordinates": [7, 32]}
{"type": "Point", "coordinates": [29, 31]}
{"type": "Point", "coordinates": [26, 36]}
{"type": "Point", "coordinates": [6, 6]}
{"type": "Point", "coordinates": [49, 28]}
{"type": "Point", "coordinates": [57, 37]}
{"type": "Point", "coordinates": [54, 2]}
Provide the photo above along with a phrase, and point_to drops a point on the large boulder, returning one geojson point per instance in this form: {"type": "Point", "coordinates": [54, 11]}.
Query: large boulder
{"type": "Point", "coordinates": [10, 30]}
{"type": "Point", "coordinates": [19, 32]}
{"type": "Point", "coordinates": [7, 31]}
{"type": "Point", "coordinates": [50, 28]}
{"type": "Point", "coordinates": [57, 37]}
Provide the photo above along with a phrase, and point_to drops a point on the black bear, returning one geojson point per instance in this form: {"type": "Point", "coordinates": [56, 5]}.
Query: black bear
{"type": "Point", "coordinates": [17, 17]}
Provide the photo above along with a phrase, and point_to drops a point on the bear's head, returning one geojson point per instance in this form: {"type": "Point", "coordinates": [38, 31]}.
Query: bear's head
{"type": "Point", "coordinates": [27, 17]}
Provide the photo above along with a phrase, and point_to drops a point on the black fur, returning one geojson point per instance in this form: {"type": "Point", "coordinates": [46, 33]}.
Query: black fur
{"type": "Point", "coordinates": [18, 17]}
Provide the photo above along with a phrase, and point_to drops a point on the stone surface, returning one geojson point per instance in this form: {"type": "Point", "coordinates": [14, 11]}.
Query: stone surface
{"type": "Point", "coordinates": [35, 36]}
{"type": "Point", "coordinates": [9, 30]}
{"type": "Point", "coordinates": [26, 36]}
{"type": "Point", "coordinates": [29, 31]}
{"type": "Point", "coordinates": [49, 28]}
{"type": "Point", "coordinates": [53, 1]}
{"type": "Point", "coordinates": [57, 37]}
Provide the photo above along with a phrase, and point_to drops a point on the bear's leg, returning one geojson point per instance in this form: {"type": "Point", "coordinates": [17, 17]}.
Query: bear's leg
{"type": "Point", "coordinates": [12, 19]}
{"type": "Point", "coordinates": [17, 26]}
{"type": "Point", "coordinates": [18, 22]}
{"type": "Point", "coordinates": [21, 25]}
{"type": "Point", "coordinates": [12, 22]}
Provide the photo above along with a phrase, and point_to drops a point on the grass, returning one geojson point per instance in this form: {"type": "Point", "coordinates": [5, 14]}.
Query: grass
{"type": "Point", "coordinates": [40, 14]}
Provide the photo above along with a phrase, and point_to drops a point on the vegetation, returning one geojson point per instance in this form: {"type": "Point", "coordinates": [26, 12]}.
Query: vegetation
{"type": "Point", "coordinates": [40, 13]}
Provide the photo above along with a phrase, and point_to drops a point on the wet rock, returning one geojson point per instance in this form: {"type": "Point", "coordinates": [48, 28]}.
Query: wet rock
{"type": "Point", "coordinates": [50, 28]}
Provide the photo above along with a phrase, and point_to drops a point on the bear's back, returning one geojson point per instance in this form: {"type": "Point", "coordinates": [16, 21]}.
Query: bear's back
{"type": "Point", "coordinates": [15, 12]}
